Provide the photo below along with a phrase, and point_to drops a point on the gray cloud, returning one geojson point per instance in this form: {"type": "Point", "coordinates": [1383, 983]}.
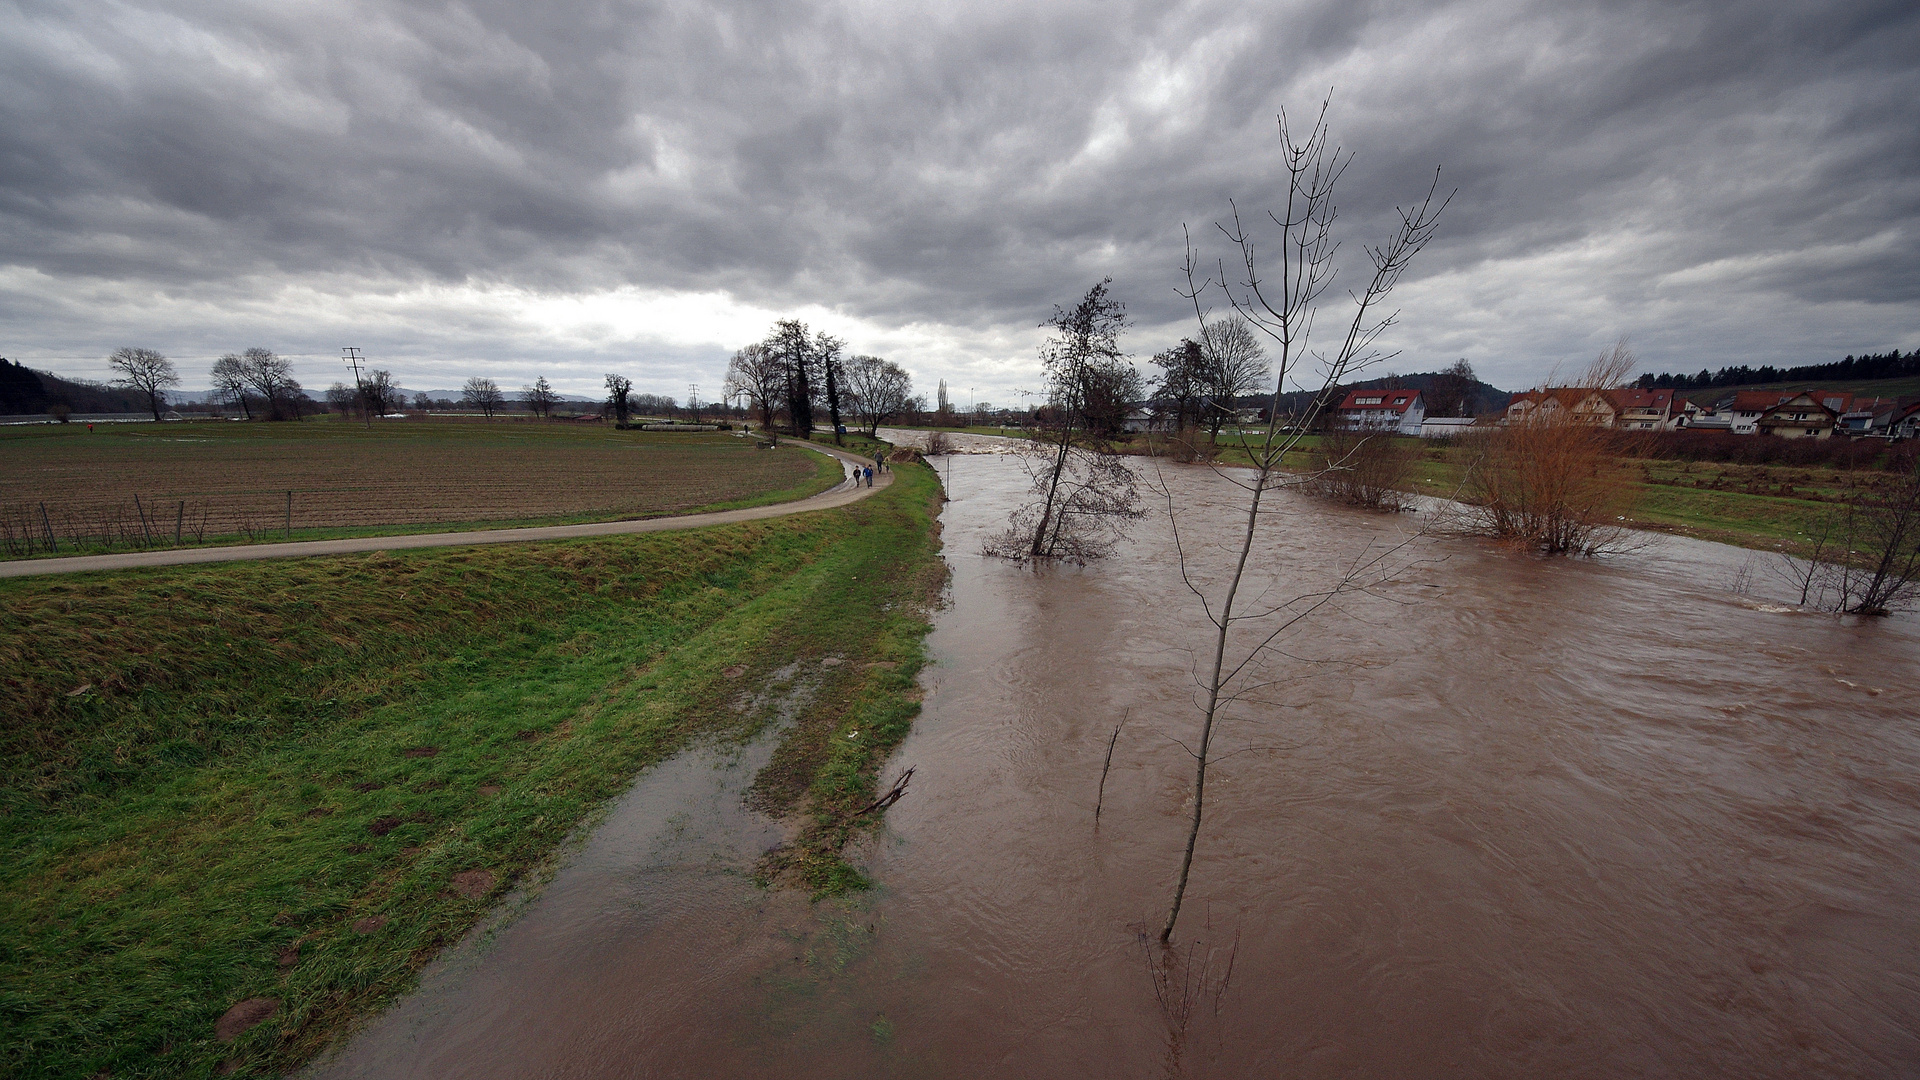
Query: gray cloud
{"type": "Point", "coordinates": [1726, 182]}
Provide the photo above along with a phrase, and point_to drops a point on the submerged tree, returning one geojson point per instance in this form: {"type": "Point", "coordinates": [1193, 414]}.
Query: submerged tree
{"type": "Point", "coordinates": [1083, 494]}
{"type": "Point", "coordinates": [1245, 632]}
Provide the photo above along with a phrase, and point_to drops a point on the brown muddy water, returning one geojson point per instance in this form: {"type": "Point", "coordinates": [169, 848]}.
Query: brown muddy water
{"type": "Point", "coordinates": [1568, 819]}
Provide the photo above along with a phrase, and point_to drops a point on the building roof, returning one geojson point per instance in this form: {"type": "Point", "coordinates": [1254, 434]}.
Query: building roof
{"type": "Point", "coordinates": [1789, 402]}
{"type": "Point", "coordinates": [1660, 401]}
{"type": "Point", "coordinates": [1758, 400]}
{"type": "Point", "coordinates": [1398, 401]}
{"type": "Point", "coordinates": [1569, 397]}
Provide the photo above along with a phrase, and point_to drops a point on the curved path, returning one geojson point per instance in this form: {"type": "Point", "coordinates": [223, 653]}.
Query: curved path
{"type": "Point", "coordinates": [839, 495]}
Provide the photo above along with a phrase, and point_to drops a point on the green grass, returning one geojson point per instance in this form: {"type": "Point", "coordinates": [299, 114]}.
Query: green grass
{"type": "Point", "coordinates": [207, 767]}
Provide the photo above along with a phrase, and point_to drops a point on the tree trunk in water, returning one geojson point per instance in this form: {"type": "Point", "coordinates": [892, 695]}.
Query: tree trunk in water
{"type": "Point", "coordinates": [1213, 703]}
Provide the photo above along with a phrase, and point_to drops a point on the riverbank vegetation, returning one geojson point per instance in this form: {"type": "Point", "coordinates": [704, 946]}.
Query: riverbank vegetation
{"type": "Point", "coordinates": [70, 491]}
{"type": "Point", "coordinates": [245, 803]}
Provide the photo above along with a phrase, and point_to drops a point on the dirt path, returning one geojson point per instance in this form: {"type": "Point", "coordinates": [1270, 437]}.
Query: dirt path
{"type": "Point", "coordinates": [840, 495]}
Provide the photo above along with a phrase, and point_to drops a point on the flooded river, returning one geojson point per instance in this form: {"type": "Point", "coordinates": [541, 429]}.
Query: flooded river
{"type": "Point", "coordinates": [1504, 817]}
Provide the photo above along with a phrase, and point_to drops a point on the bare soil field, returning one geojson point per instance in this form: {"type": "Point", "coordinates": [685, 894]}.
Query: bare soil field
{"type": "Point", "coordinates": [147, 485]}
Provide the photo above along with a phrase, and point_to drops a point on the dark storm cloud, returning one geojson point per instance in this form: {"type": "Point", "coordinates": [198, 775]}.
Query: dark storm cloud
{"type": "Point", "coordinates": [1717, 179]}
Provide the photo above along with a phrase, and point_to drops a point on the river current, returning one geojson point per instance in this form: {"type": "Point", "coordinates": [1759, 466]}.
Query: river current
{"type": "Point", "coordinates": [1497, 817]}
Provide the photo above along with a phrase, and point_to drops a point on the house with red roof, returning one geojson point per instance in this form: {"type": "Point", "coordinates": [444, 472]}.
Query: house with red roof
{"type": "Point", "coordinates": [1647, 410]}
{"type": "Point", "coordinates": [1399, 411]}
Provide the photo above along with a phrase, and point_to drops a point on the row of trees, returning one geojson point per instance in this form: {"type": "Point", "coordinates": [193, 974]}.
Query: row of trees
{"type": "Point", "coordinates": [795, 372]}
{"type": "Point", "coordinates": [1887, 365]}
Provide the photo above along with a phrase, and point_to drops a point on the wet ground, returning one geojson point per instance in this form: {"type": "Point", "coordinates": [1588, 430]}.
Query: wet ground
{"type": "Point", "coordinates": [1500, 817]}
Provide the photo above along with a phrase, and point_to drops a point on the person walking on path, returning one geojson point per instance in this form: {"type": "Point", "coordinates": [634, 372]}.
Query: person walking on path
{"type": "Point", "coordinates": [869, 471]}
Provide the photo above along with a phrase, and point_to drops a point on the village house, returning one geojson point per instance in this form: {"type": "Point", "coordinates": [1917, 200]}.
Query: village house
{"type": "Point", "coordinates": [1647, 410]}
{"type": "Point", "coordinates": [1868, 416]}
{"type": "Point", "coordinates": [1381, 410]}
{"type": "Point", "coordinates": [1800, 416]}
{"type": "Point", "coordinates": [1585, 406]}
{"type": "Point", "coordinates": [1904, 423]}
{"type": "Point", "coordinates": [1744, 408]}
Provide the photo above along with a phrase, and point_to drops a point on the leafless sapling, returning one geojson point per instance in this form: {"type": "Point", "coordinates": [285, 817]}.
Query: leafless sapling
{"type": "Point", "coordinates": [1244, 635]}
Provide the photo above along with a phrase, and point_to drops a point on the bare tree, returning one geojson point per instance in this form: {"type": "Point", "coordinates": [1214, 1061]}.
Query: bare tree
{"type": "Point", "coordinates": [146, 371]}
{"type": "Point", "coordinates": [1283, 311]}
{"type": "Point", "coordinates": [1082, 492]}
{"type": "Point", "coordinates": [1880, 571]}
{"type": "Point", "coordinates": [483, 394]}
{"type": "Point", "coordinates": [340, 397]}
{"type": "Point", "coordinates": [879, 389]}
{"type": "Point", "coordinates": [755, 374]}
{"type": "Point", "coordinates": [378, 395]}
{"type": "Point", "coordinates": [618, 387]}
{"type": "Point", "coordinates": [539, 397]}
{"type": "Point", "coordinates": [230, 378]}
{"type": "Point", "coordinates": [272, 377]}
{"type": "Point", "coordinates": [1452, 391]}
{"type": "Point", "coordinates": [1234, 363]}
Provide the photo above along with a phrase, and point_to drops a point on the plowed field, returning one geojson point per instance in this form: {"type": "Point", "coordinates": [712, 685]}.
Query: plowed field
{"type": "Point", "coordinates": [211, 479]}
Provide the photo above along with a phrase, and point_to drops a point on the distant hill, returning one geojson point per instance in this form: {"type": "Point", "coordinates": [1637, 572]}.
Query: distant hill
{"type": "Point", "coordinates": [27, 391]}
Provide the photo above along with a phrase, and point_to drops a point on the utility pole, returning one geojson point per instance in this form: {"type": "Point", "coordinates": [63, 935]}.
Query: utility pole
{"type": "Point", "coordinates": [352, 356]}
{"type": "Point", "coordinates": [693, 401]}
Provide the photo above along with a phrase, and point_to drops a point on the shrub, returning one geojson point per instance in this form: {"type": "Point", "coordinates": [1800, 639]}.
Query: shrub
{"type": "Point", "coordinates": [1364, 469]}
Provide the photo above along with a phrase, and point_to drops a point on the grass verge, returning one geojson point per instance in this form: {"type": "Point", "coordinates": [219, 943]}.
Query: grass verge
{"type": "Point", "coordinates": [288, 785]}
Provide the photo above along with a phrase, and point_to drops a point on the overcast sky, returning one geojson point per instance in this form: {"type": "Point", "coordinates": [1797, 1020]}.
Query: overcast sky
{"type": "Point", "coordinates": [513, 189]}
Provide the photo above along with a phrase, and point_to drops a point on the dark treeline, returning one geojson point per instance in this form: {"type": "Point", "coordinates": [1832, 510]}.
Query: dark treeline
{"type": "Point", "coordinates": [25, 391]}
{"type": "Point", "coordinates": [1890, 365]}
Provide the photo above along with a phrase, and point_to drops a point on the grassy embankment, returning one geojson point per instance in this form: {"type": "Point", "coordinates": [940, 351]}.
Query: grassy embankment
{"type": "Point", "coordinates": [294, 782]}
{"type": "Point", "coordinates": [226, 483]}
